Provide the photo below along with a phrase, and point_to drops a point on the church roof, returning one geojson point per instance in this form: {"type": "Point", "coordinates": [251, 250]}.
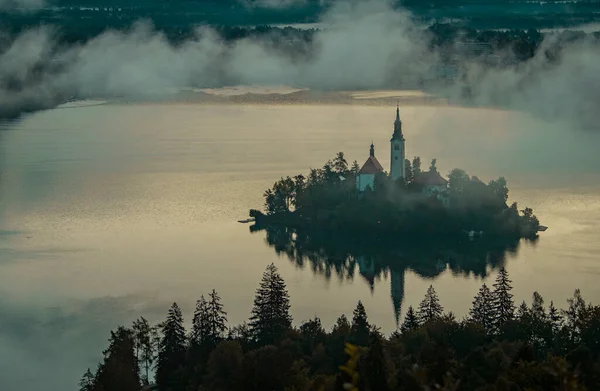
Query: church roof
{"type": "Point", "coordinates": [431, 178]}
{"type": "Point", "coordinates": [371, 166]}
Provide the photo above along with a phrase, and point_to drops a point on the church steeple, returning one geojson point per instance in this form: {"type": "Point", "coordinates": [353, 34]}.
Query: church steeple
{"type": "Point", "coordinates": [397, 126]}
{"type": "Point", "coordinates": [372, 150]}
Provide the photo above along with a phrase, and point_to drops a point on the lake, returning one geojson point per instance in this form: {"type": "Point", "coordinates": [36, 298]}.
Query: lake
{"type": "Point", "coordinates": [114, 211]}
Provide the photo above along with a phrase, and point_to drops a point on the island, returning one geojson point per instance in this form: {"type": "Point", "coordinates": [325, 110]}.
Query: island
{"type": "Point", "coordinates": [362, 203]}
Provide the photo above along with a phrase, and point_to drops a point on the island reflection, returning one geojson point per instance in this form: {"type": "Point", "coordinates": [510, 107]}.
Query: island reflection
{"type": "Point", "coordinates": [377, 258]}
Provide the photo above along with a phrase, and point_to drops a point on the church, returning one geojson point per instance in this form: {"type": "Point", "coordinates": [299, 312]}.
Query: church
{"type": "Point", "coordinates": [432, 183]}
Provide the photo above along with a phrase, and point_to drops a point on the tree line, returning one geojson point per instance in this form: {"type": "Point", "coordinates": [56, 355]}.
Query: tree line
{"type": "Point", "coordinates": [495, 347]}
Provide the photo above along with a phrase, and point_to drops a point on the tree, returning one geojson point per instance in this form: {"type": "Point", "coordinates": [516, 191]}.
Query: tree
{"type": "Point", "coordinates": [416, 166]}
{"type": "Point", "coordinates": [87, 381]}
{"type": "Point", "coordinates": [537, 307]}
{"type": "Point", "coordinates": [360, 329]}
{"type": "Point", "coordinates": [430, 307]}
{"type": "Point", "coordinates": [554, 317]}
{"type": "Point", "coordinates": [523, 311]}
{"type": "Point", "coordinates": [411, 321]}
{"type": "Point", "coordinates": [225, 367]}
{"type": "Point", "coordinates": [504, 307]}
{"type": "Point", "coordinates": [270, 314]}
{"type": "Point", "coordinates": [200, 323]}
{"type": "Point", "coordinates": [217, 318]}
{"type": "Point", "coordinates": [281, 197]}
{"type": "Point", "coordinates": [144, 346]}
{"type": "Point", "coordinates": [355, 168]}
{"type": "Point", "coordinates": [432, 167]}
{"type": "Point", "coordinates": [340, 165]}
{"type": "Point", "coordinates": [482, 311]}
{"type": "Point", "coordinates": [172, 350]}
{"type": "Point", "coordinates": [499, 189]}
{"type": "Point", "coordinates": [409, 175]}
{"type": "Point", "coordinates": [119, 371]}
{"type": "Point", "coordinates": [458, 180]}
{"type": "Point", "coordinates": [376, 366]}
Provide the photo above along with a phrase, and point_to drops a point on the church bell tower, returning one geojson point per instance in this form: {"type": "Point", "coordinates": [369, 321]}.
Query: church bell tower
{"type": "Point", "coordinates": [397, 168]}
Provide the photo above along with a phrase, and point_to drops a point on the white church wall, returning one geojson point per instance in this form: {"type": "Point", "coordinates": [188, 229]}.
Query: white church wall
{"type": "Point", "coordinates": [364, 180]}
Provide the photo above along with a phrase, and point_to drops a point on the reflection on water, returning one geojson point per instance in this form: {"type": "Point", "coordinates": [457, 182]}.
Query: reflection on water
{"type": "Point", "coordinates": [376, 258]}
{"type": "Point", "coordinates": [112, 212]}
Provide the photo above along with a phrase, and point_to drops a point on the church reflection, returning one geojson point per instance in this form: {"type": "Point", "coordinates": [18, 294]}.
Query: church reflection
{"type": "Point", "coordinates": [381, 258]}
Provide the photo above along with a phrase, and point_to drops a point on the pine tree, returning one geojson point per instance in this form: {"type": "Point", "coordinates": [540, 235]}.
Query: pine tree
{"type": "Point", "coordinates": [554, 317]}
{"type": "Point", "coordinates": [523, 311]}
{"type": "Point", "coordinates": [416, 166]}
{"type": "Point", "coordinates": [376, 366]}
{"type": "Point", "coordinates": [217, 319]}
{"type": "Point", "coordinates": [119, 371]}
{"type": "Point", "coordinates": [360, 329]}
{"type": "Point", "coordinates": [411, 322]}
{"type": "Point", "coordinates": [430, 307]}
{"type": "Point", "coordinates": [172, 350]}
{"type": "Point", "coordinates": [270, 315]}
{"type": "Point", "coordinates": [355, 168]}
{"type": "Point", "coordinates": [144, 348]}
{"type": "Point", "coordinates": [537, 307]}
{"type": "Point", "coordinates": [87, 381]}
{"type": "Point", "coordinates": [504, 307]}
{"type": "Point", "coordinates": [483, 308]}
{"type": "Point", "coordinates": [409, 175]}
{"type": "Point", "coordinates": [200, 323]}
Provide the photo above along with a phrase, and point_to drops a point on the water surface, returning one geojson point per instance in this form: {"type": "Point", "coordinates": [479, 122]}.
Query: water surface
{"type": "Point", "coordinates": [115, 211]}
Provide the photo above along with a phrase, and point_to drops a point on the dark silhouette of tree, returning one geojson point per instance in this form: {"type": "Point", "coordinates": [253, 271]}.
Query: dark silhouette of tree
{"type": "Point", "coordinates": [482, 311]}
{"type": "Point", "coordinates": [411, 321]}
{"type": "Point", "coordinates": [554, 317]}
{"type": "Point", "coordinates": [217, 318]}
{"type": "Point", "coordinates": [225, 367]}
{"type": "Point", "coordinates": [360, 329]}
{"type": "Point", "coordinates": [458, 180]}
{"type": "Point", "coordinates": [504, 307]}
{"type": "Point", "coordinates": [376, 366]}
{"type": "Point", "coordinates": [200, 334]}
{"type": "Point", "coordinates": [416, 166]}
{"type": "Point", "coordinates": [270, 315]}
{"type": "Point", "coordinates": [409, 175]}
{"type": "Point", "coordinates": [172, 351]}
{"type": "Point", "coordinates": [430, 307]}
{"type": "Point", "coordinates": [340, 165]}
{"type": "Point", "coordinates": [355, 168]}
{"type": "Point", "coordinates": [87, 381]}
{"type": "Point", "coordinates": [537, 307]}
{"type": "Point", "coordinates": [432, 166]}
{"type": "Point", "coordinates": [119, 371]}
{"type": "Point", "coordinates": [145, 350]}
{"type": "Point", "coordinates": [523, 311]}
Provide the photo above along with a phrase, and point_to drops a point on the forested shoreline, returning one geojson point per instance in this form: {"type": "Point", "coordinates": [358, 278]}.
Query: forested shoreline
{"type": "Point", "coordinates": [327, 200]}
{"type": "Point", "coordinates": [497, 346]}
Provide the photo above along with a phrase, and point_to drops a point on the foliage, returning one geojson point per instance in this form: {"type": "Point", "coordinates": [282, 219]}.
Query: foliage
{"type": "Point", "coordinates": [504, 306]}
{"type": "Point", "coordinates": [270, 315]}
{"type": "Point", "coordinates": [430, 307]}
{"type": "Point", "coordinates": [327, 199]}
{"type": "Point", "coordinates": [482, 311]}
{"type": "Point", "coordinates": [538, 349]}
{"type": "Point", "coordinates": [172, 351]}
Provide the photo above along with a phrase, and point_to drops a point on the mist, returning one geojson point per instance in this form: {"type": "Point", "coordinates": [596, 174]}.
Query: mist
{"type": "Point", "coordinates": [366, 45]}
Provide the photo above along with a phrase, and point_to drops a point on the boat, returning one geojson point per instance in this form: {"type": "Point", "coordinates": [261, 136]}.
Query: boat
{"type": "Point", "coordinates": [542, 228]}
{"type": "Point", "coordinates": [251, 219]}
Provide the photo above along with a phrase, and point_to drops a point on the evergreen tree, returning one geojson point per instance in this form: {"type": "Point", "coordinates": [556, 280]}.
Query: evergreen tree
{"type": "Point", "coordinates": [430, 307]}
{"type": "Point", "coordinates": [416, 166]}
{"type": "Point", "coordinates": [360, 329]}
{"type": "Point", "coordinates": [432, 167]}
{"type": "Point", "coordinates": [482, 311]}
{"type": "Point", "coordinates": [217, 319]}
{"type": "Point", "coordinates": [201, 323]}
{"type": "Point", "coordinates": [144, 348]}
{"type": "Point", "coordinates": [523, 311]}
{"type": "Point", "coordinates": [411, 321]}
{"type": "Point", "coordinates": [270, 315]}
{"type": "Point", "coordinates": [409, 175]}
{"type": "Point", "coordinates": [340, 165]}
{"type": "Point", "coordinates": [172, 350]}
{"type": "Point", "coordinates": [537, 307]}
{"type": "Point", "coordinates": [376, 366]}
{"type": "Point", "coordinates": [554, 317]}
{"type": "Point", "coordinates": [504, 307]}
{"type": "Point", "coordinates": [355, 168]}
{"type": "Point", "coordinates": [87, 381]}
{"type": "Point", "coordinates": [119, 371]}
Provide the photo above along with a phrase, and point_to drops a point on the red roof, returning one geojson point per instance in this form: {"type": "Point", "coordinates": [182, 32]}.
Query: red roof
{"type": "Point", "coordinates": [431, 178]}
{"type": "Point", "coordinates": [371, 166]}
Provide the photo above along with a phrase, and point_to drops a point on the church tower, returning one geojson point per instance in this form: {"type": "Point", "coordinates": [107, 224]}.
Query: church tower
{"type": "Point", "coordinates": [397, 169]}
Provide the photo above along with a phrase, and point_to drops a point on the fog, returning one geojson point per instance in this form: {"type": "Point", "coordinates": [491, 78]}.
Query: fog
{"type": "Point", "coordinates": [20, 5]}
{"type": "Point", "coordinates": [365, 45]}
